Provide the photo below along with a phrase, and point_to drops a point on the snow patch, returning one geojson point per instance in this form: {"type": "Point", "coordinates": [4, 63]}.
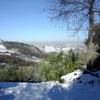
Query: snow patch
{"type": "Point", "coordinates": [2, 46]}
{"type": "Point", "coordinates": [72, 89]}
{"type": "Point", "coordinates": [69, 78]}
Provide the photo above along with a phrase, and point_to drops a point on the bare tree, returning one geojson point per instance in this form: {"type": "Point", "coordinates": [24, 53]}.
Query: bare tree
{"type": "Point", "coordinates": [76, 13]}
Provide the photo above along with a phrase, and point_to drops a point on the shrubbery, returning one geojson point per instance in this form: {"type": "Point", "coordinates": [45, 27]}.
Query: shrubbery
{"type": "Point", "coordinates": [13, 73]}
{"type": "Point", "coordinates": [84, 56]}
{"type": "Point", "coordinates": [51, 67]}
{"type": "Point", "coordinates": [56, 65]}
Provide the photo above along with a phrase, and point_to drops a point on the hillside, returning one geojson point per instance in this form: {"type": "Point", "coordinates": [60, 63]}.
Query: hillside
{"type": "Point", "coordinates": [19, 53]}
{"type": "Point", "coordinates": [25, 49]}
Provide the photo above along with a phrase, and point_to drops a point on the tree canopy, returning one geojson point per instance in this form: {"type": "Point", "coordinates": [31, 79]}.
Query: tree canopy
{"type": "Point", "coordinates": [77, 14]}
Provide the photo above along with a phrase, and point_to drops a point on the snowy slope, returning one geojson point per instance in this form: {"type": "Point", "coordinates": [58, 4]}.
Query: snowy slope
{"type": "Point", "coordinates": [77, 86]}
{"type": "Point", "coordinates": [21, 51]}
{"type": "Point", "coordinates": [2, 46]}
{"type": "Point", "coordinates": [5, 51]}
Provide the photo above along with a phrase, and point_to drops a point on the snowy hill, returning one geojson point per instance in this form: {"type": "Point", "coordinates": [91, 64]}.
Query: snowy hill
{"type": "Point", "coordinates": [77, 86]}
{"type": "Point", "coordinates": [16, 51]}
{"type": "Point", "coordinates": [23, 48]}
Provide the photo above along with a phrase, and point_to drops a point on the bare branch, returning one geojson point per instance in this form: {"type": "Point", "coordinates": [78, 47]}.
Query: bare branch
{"type": "Point", "coordinates": [77, 12]}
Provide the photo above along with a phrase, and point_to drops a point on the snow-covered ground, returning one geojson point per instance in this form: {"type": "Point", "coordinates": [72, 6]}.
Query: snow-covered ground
{"type": "Point", "coordinates": [77, 86]}
{"type": "Point", "coordinates": [49, 49]}
{"type": "Point", "coordinates": [5, 51]}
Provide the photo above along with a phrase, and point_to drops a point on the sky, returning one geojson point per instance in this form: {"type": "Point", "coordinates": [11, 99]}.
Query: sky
{"type": "Point", "coordinates": [26, 20]}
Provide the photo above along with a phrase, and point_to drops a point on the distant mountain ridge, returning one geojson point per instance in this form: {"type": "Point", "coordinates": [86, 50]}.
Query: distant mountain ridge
{"type": "Point", "coordinates": [23, 48]}
{"type": "Point", "coordinates": [16, 52]}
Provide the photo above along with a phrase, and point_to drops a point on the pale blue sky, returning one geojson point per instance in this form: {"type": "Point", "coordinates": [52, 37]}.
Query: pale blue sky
{"type": "Point", "coordinates": [25, 20]}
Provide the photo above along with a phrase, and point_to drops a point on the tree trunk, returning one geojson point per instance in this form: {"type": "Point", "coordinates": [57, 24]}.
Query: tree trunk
{"type": "Point", "coordinates": [91, 23]}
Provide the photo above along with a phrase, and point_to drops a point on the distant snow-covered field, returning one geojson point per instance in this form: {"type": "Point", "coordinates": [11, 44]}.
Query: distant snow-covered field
{"type": "Point", "coordinates": [59, 46]}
